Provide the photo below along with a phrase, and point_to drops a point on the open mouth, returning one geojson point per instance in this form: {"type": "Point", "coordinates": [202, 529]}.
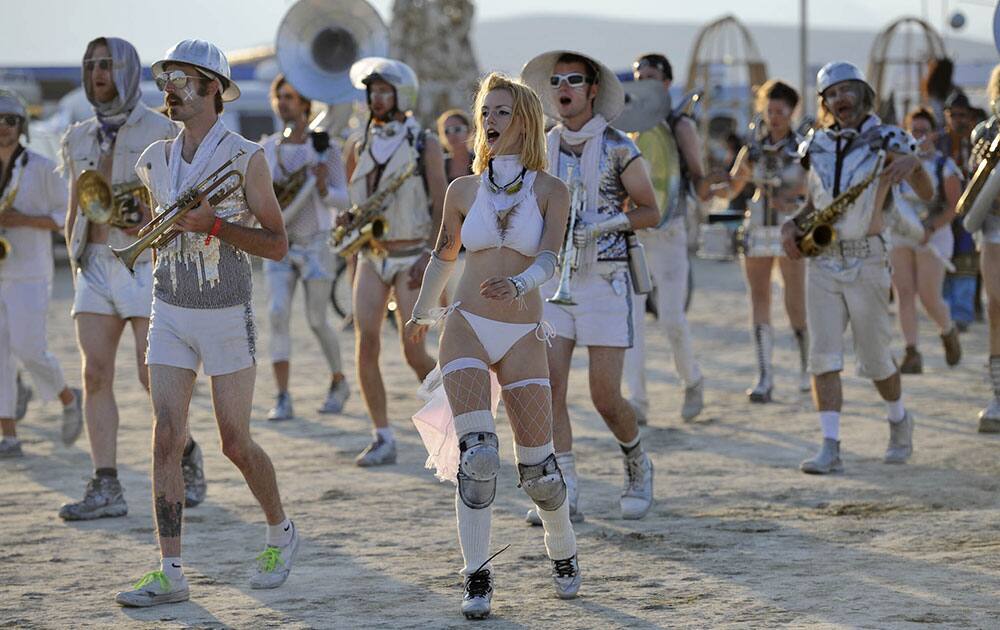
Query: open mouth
{"type": "Point", "coordinates": [173, 101]}
{"type": "Point", "coordinates": [565, 100]}
{"type": "Point", "coordinates": [492, 135]}
{"type": "Point", "coordinates": [844, 110]}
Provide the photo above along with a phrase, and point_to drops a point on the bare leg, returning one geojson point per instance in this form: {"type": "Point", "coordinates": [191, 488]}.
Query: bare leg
{"type": "Point", "coordinates": [793, 273]}
{"type": "Point", "coordinates": [904, 278]}
{"type": "Point", "coordinates": [560, 355]}
{"type": "Point", "coordinates": [930, 279]}
{"type": "Point", "coordinates": [171, 389]}
{"type": "Point", "coordinates": [281, 371]}
{"type": "Point", "coordinates": [370, 298]}
{"type": "Point", "coordinates": [98, 337]}
{"type": "Point", "coordinates": [606, 394]}
{"type": "Point", "coordinates": [991, 282]}
{"type": "Point", "coordinates": [317, 305]}
{"type": "Point", "coordinates": [232, 398]}
{"type": "Point", "coordinates": [758, 274]}
{"type": "Point", "coordinates": [140, 331]}
{"type": "Point", "coordinates": [827, 392]}
{"type": "Point", "coordinates": [9, 427]}
{"type": "Point", "coordinates": [891, 388]}
{"type": "Point", "coordinates": [414, 352]}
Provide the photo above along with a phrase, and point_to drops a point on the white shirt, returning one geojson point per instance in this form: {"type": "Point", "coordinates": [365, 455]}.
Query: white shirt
{"type": "Point", "coordinates": [41, 192]}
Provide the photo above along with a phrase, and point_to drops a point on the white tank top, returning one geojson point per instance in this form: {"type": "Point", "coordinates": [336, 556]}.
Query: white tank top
{"type": "Point", "coordinates": [497, 219]}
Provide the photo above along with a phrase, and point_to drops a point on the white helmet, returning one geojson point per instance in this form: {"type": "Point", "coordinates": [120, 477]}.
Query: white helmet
{"type": "Point", "coordinates": [11, 103]}
{"type": "Point", "coordinates": [837, 72]}
{"type": "Point", "coordinates": [396, 73]}
{"type": "Point", "coordinates": [207, 58]}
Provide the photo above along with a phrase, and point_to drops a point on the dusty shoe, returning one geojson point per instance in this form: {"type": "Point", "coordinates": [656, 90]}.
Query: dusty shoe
{"type": "Point", "coordinates": [153, 589]}
{"type": "Point", "coordinates": [761, 392]}
{"type": "Point", "coordinates": [637, 496]}
{"type": "Point", "coordinates": [195, 486]}
{"type": "Point", "coordinates": [103, 498]}
{"type": "Point", "coordinates": [282, 409]}
{"type": "Point", "coordinates": [10, 448]}
{"type": "Point", "coordinates": [379, 453]}
{"type": "Point", "coordinates": [336, 397]}
{"type": "Point", "coordinates": [827, 460]}
{"type": "Point", "coordinates": [952, 346]}
{"type": "Point", "coordinates": [24, 396]}
{"type": "Point", "coordinates": [900, 440]}
{"type": "Point", "coordinates": [72, 418]}
{"type": "Point", "coordinates": [805, 382]}
{"type": "Point", "coordinates": [478, 594]}
{"type": "Point", "coordinates": [694, 401]}
{"type": "Point", "coordinates": [566, 574]}
{"type": "Point", "coordinates": [913, 362]}
{"type": "Point", "coordinates": [989, 418]}
{"type": "Point", "coordinates": [275, 563]}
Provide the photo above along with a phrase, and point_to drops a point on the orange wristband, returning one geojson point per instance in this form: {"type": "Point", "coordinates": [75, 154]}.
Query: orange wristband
{"type": "Point", "coordinates": [215, 230]}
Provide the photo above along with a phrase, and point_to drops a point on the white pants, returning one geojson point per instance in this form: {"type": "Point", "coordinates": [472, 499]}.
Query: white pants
{"type": "Point", "coordinates": [667, 256]}
{"type": "Point", "coordinates": [23, 309]}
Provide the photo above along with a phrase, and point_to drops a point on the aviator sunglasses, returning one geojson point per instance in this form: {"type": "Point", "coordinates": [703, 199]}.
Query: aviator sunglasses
{"type": "Point", "coordinates": [450, 129]}
{"type": "Point", "coordinates": [10, 120]}
{"type": "Point", "coordinates": [176, 78]}
{"type": "Point", "coordinates": [103, 63]}
{"type": "Point", "coordinates": [575, 80]}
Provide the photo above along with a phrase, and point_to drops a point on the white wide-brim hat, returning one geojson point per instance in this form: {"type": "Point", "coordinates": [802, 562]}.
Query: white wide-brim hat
{"type": "Point", "coordinates": [205, 56]}
{"type": "Point", "coordinates": [610, 99]}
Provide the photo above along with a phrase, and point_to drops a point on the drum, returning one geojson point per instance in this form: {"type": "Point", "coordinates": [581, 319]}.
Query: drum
{"type": "Point", "coordinates": [717, 238]}
{"type": "Point", "coordinates": [763, 241]}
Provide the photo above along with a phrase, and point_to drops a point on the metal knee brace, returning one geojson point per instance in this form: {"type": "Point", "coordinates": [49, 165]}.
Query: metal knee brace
{"type": "Point", "coordinates": [479, 463]}
{"type": "Point", "coordinates": [544, 483]}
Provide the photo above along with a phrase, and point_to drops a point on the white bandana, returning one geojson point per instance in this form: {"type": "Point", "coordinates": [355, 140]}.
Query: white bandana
{"type": "Point", "coordinates": [506, 168]}
{"type": "Point", "coordinates": [383, 140]}
{"type": "Point", "coordinates": [591, 136]}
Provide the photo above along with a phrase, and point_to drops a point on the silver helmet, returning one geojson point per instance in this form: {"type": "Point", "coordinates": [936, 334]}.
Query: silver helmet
{"type": "Point", "coordinates": [205, 56]}
{"type": "Point", "coordinates": [396, 73]}
{"type": "Point", "coordinates": [837, 72]}
{"type": "Point", "coordinates": [11, 103]}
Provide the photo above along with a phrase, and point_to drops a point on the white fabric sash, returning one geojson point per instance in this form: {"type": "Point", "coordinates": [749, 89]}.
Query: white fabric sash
{"type": "Point", "coordinates": [591, 136]}
{"type": "Point", "coordinates": [385, 139]}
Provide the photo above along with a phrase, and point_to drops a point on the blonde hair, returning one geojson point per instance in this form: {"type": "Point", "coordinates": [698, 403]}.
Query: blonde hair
{"type": "Point", "coordinates": [527, 122]}
{"type": "Point", "coordinates": [442, 120]}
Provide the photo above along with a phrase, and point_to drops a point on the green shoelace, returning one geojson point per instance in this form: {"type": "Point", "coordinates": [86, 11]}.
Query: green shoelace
{"type": "Point", "coordinates": [269, 559]}
{"type": "Point", "coordinates": [154, 576]}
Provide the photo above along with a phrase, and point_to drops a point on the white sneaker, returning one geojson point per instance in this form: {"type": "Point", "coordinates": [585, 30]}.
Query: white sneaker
{"type": "Point", "coordinates": [72, 418]}
{"type": "Point", "coordinates": [275, 563]}
{"type": "Point", "coordinates": [282, 409]}
{"type": "Point", "coordinates": [153, 589]}
{"type": "Point", "coordinates": [637, 496]}
{"type": "Point", "coordinates": [566, 574]}
{"type": "Point", "coordinates": [336, 397]}
{"type": "Point", "coordinates": [694, 400]}
{"type": "Point", "coordinates": [379, 453]}
{"type": "Point", "coordinates": [10, 448]}
{"type": "Point", "coordinates": [24, 396]}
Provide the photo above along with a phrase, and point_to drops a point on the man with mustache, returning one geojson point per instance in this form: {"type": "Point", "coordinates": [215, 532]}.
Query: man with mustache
{"type": "Point", "coordinates": [32, 206]}
{"type": "Point", "coordinates": [107, 296]}
{"type": "Point", "coordinates": [585, 96]}
{"type": "Point", "coordinates": [202, 312]}
{"type": "Point", "coordinates": [849, 281]}
{"type": "Point", "coordinates": [393, 141]}
{"type": "Point", "coordinates": [308, 219]}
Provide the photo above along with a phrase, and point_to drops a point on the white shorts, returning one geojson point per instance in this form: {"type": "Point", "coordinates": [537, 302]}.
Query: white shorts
{"type": "Point", "coordinates": [105, 287]}
{"type": "Point", "coordinates": [223, 339]}
{"type": "Point", "coordinates": [309, 261]}
{"type": "Point", "coordinates": [23, 310]}
{"type": "Point", "coordinates": [863, 302]}
{"type": "Point", "coordinates": [602, 315]}
{"type": "Point", "coordinates": [942, 241]}
{"type": "Point", "coordinates": [389, 267]}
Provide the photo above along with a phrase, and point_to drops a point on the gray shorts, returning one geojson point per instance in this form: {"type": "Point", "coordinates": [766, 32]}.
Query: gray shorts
{"type": "Point", "coordinates": [223, 339]}
{"type": "Point", "coordinates": [105, 287]}
{"type": "Point", "coordinates": [602, 315]}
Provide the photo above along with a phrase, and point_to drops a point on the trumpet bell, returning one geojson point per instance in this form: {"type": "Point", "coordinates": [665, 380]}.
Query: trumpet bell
{"type": "Point", "coordinates": [95, 198]}
{"type": "Point", "coordinates": [318, 41]}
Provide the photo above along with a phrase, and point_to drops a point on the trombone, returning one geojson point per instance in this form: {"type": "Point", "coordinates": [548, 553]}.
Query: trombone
{"type": "Point", "coordinates": [159, 232]}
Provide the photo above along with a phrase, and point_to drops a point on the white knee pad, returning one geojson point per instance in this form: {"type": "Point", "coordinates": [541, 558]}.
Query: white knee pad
{"type": "Point", "coordinates": [478, 466]}
{"type": "Point", "coordinates": [544, 483]}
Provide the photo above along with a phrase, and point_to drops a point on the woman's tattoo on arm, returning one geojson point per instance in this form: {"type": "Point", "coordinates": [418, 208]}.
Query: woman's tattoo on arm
{"type": "Point", "coordinates": [444, 241]}
{"type": "Point", "coordinates": [168, 517]}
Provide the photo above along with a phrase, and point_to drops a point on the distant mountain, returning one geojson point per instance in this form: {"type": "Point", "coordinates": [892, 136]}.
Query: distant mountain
{"type": "Point", "coordinates": [506, 44]}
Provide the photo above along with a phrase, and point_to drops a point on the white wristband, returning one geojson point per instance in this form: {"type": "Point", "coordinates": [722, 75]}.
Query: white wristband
{"type": "Point", "coordinates": [537, 273]}
{"type": "Point", "coordinates": [435, 279]}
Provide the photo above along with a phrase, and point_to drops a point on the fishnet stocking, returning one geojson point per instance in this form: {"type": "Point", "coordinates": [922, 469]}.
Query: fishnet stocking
{"type": "Point", "coordinates": [529, 408]}
{"type": "Point", "coordinates": [468, 389]}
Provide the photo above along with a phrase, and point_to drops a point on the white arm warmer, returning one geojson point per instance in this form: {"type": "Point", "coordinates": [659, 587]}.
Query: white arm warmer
{"type": "Point", "coordinates": [537, 273]}
{"type": "Point", "coordinates": [435, 279]}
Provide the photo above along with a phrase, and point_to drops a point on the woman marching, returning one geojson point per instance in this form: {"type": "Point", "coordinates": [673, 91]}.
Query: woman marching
{"type": "Point", "coordinates": [511, 217]}
{"type": "Point", "coordinates": [770, 162]}
{"type": "Point", "coordinates": [918, 268]}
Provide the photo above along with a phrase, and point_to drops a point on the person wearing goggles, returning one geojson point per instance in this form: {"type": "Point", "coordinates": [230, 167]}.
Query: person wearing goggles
{"type": "Point", "coordinates": [107, 297]}
{"type": "Point", "coordinates": [617, 198]}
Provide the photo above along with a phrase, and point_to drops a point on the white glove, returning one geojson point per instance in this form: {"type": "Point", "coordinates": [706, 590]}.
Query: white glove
{"type": "Point", "coordinates": [585, 233]}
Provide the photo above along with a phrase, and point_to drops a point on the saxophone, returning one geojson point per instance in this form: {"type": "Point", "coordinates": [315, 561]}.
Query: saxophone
{"type": "Point", "coordinates": [367, 225]}
{"type": "Point", "coordinates": [6, 203]}
{"type": "Point", "coordinates": [974, 205]}
{"type": "Point", "coordinates": [818, 223]}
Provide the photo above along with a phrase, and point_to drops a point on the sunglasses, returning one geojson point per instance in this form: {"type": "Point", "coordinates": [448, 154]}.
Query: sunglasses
{"type": "Point", "coordinates": [642, 64]}
{"type": "Point", "coordinates": [103, 63]}
{"type": "Point", "coordinates": [176, 78]}
{"type": "Point", "coordinates": [10, 120]}
{"type": "Point", "coordinates": [575, 80]}
{"type": "Point", "coordinates": [450, 129]}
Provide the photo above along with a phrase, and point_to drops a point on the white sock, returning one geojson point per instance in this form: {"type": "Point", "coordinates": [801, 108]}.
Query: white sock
{"type": "Point", "coordinates": [172, 568]}
{"type": "Point", "coordinates": [477, 421]}
{"type": "Point", "coordinates": [896, 410]}
{"type": "Point", "coordinates": [281, 534]}
{"type": "Point", "coordinates": [386, 433]}
{"type": "Point", "coordinates": [473, 534]}
{"type": "Point", "coordinates": [560, 540]}
{"type": "Point", "coordinates": [830, 422]}
{"type": "Point", "coordinates": [631, 448]}
{"type": "Point", "coordinates": [532, 454]}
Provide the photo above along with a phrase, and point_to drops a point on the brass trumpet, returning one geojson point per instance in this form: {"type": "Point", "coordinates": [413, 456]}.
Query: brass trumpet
{"type": "Point", "coordinates": [117, 206]}
{"type": "Point", "coordinates": [569, 256]}
{"type": "Point", "coordinates": [159, 232]}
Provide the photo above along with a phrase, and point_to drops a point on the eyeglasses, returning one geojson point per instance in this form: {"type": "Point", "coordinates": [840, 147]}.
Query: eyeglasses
{"type": "Point", "coordinates": [575, 80]}
{"type": "Point", "coordinates": [10, 120]}
{"type": "Point", "coordinates": [450, 129]}
{"type": "Point", "coordinates": [176, 78]}
{"type": "Point", "coordinates": [642, 64]}
{"type": "Point", "coordinates": [104, 63]}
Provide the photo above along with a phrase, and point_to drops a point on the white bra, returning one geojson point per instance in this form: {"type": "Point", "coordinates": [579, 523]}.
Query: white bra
{"type": "Point", "coordinates": [497, 219]}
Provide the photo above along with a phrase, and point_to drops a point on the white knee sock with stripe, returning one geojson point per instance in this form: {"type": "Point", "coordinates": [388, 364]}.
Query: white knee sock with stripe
{"type": "Point", "coordinates": [560, 540]}
{"type": "Point", "coordinates": [473, 525]}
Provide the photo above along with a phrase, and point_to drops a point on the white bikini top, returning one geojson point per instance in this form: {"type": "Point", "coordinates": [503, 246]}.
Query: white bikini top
{"type": "Point", "coordinates": [498, 219]}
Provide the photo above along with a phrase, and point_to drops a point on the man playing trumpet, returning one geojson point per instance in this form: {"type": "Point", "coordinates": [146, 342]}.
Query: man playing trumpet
{"type": "Point", "coordinates": [107, 296]}
{"type": "Point", "coordinates": [308, 219]}
{"type": "Point", "coordinates": [848, 282]}
{"type": "Point", "coordinates": [202, 310]}
{"type": "Point", "coordinates": [32, 206]}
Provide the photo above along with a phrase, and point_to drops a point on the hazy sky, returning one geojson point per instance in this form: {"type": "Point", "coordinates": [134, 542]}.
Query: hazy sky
{"type": "Point", "coordinates": [42, 32]}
